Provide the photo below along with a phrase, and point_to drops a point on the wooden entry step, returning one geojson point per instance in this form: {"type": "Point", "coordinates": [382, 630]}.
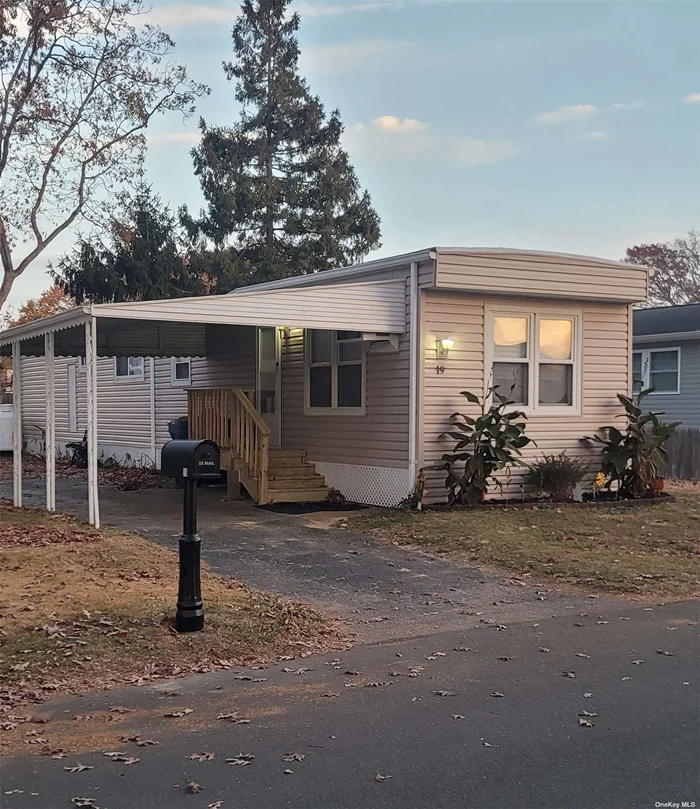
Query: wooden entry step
{"type": "Point", "coordinates": [292, 479]}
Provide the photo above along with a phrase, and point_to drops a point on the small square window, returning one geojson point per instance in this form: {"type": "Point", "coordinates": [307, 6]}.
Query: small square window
{"type": "Point", "coordinates": [180, 371]}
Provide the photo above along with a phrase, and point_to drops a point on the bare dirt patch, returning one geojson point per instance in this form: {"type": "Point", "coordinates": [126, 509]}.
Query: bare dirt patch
{"type": "Point", "coordinates": [92, 609]}
{"type": "Point", "coordinates": [645, 551]}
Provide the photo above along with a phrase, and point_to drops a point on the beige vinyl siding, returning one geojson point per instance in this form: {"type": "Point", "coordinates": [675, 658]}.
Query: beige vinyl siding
{"type": "Point", "coordinates": [605, 372]}
{"type": "Point", "coordinates": [171, 400]}
{"type": "Point", "coordinates": [380, 437]}
{"type": "Point", "coordinates": [515, 273]}
{"type": "Point", "coordinates": [123, 406]}
{"type": "Point", "coordinates": [230, 360]}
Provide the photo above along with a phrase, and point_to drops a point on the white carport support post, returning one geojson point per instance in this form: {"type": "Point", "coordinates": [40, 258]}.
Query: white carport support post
{"type": "Point", "coordinates": [50, 437]}
{"type": "Point", "coordinates": [91, 379]}
{"type": "Point", "coordinates": [16, 424]}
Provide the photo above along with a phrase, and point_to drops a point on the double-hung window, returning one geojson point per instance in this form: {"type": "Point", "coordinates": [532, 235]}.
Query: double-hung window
{"type": "Point", "coordinates": [334, 371]}
{"type": "Point", "coordinates": [128, 367]}
{"type": "Point", "coordinates": [657, 368]}
{"type": "Point", "coordinates": [534, 359]}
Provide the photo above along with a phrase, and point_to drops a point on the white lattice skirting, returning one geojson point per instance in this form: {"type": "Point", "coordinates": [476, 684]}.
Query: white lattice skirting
{"type": "Point", "coordinates": [373, 485]}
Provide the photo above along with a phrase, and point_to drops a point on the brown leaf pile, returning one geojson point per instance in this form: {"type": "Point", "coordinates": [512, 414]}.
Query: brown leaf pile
{"type": "Point", "coordinates": [40, 528]}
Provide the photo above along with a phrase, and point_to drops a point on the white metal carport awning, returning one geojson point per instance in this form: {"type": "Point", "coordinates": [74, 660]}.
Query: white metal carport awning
{"type": "Point", "coordinates": [176, 327]}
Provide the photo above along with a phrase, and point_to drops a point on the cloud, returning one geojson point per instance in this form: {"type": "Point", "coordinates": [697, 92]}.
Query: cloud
{"type": "Point", "coordinates": [355, 56]}
{"type": "Point", "coordinates": [594, 136]}
{"type": "Point", "coordinates": [693, 98]}
{"type": "Point", "coordinates": [186, 138]}
{"type": "Point", "coordinates": [390, 138]}
{"type": "Point", "coordinates": [473, 152]}
{"type": "Point", "coordinates": [179, 15]}
{"type": "Point", "coordinates": [574, 112]}
{"type": "Point", "coordinates": [389, 123]}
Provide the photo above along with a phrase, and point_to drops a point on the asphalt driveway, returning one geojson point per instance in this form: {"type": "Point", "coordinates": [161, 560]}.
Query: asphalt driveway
{"type": "Point", "coordinates": [382, 591]}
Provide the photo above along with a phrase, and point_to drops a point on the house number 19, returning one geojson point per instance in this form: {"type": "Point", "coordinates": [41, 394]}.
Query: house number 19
{"type": "Point", "coordinates": [440, 369]}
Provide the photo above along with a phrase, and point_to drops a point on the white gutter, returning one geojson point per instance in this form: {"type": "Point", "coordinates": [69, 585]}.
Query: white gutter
{"type": "Point", "coordinates": [665, 337]}
{"type": "Point", "coordinates": [414, 376]}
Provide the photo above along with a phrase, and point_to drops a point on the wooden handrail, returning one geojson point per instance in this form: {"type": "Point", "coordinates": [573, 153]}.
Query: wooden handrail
{"type": "Point", "coordinates": [228, 417]}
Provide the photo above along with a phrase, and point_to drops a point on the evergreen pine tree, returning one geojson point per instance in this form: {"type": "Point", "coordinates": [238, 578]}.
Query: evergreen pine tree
{"type": "Point", "coordinates": [281, 196]}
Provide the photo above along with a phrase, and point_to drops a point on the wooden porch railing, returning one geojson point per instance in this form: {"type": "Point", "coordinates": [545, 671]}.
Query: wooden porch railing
{"type": "Point", "coordinates": [228, 417]}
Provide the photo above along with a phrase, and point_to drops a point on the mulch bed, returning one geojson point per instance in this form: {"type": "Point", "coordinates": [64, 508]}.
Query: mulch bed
{"type": "Point", "coordinates": [312, 508]}
{"type": "Point", "coordinates": [600, 502]}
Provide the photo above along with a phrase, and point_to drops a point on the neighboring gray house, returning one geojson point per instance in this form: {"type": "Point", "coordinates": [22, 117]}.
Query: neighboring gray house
{"type": "Point", "coordinates": [666, 357]}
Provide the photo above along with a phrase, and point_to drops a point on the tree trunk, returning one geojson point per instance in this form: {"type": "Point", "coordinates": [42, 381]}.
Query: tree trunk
{"type": "Point", "coordinates": [5, 287]}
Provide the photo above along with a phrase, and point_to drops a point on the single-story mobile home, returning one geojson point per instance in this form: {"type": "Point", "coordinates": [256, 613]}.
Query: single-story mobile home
{"type": "Point", "coordinates": [346, 378]}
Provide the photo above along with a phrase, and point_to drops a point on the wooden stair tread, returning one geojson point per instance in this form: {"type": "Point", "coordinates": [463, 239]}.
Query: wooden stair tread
{"type": "Point", "coordinates": [302, 483]}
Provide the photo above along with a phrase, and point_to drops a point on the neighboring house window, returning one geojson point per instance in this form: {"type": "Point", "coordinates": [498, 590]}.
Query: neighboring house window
{"type": "Point", "coordinates": [334, 371]}
{"type": "Point", "coordinates": [180, 371]}
{"type": "Point", "coordinates": [128, 367]}
{"type": "Point", "coordinates": [657, 368]}
{"type": "Point", "coordinates": [534, 358]}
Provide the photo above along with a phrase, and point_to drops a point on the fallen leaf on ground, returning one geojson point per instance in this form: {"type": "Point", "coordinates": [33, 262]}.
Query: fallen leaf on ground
{"type": "Point", "coordinates": [637, 662]}
{"type": "Point", "coordinates": [330, 695]}
{"type": "Point", "coordinates": [250, 679]}
{"type": "Point", "coordinates": [120, 709]}
{"type": "Point", "coordinates": [288, 772]}
{"type": "Point", "coordinates": [235, 718]}
{"type": "Point", "coordinates": [587, 713]}
{"type": "Point", "coordinates": [580, 654]}
{"type": "Point", "coordinates": [241, 760]}
{"type": "Point", "coordinates": [380, 777]}
{"type": "Point", "coordinates": [584, 723]}
{"type": "Point", "coordinates": [286, 670]}
{"type": "Point", "coordinates": [457, 716]}
{"type": "Point", "coordinates": [588, 695]}
{"type": "Point", "coordinates": [177, 714]}
{"type": "Point", "coordinates": [462, 649]}
{"type": "Point", "coordinates": [664, 653]}
{"type": "Point", "coordinates": [506, 658]}
{"type": "Point", "coordinates": [571, 674]}
{"type": "Point", "coordinates": [84, 802]}
{"type": "Point", "coordinates": [444, 693]}
{"type": "Point", "coordinates": [378, 684]}
{"type": "Point", "coordinates": [544, 649]}
{"type": "Point", "coordinates": [215, 805]}
{"type": "Point", "coordinates": [293, 757]}
{"type": "Point", "coordinates": [201, 757]}
{"type": "Point", "coordinates": [193, 788]}
{"type": "Point", "coordinates": [496, 694]}
{"type": "Point", "coordinates": [78, 768]}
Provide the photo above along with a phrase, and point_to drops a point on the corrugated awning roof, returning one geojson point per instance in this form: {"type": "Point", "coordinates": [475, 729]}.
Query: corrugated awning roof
{"type": "Point", "coordinates": [176, 327]}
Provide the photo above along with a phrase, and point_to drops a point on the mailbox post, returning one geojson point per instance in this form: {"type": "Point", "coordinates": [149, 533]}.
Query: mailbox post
{"type": "Point", "coordinates": [192, 461]}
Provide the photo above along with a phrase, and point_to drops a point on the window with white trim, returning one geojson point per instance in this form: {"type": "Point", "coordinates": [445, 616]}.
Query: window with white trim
{"type": "Point", "coordinates": [657, 368]}
{"type": "Point", "coordinates": [534, 359]}
{"type": "Point", "coordinates": [335, 371]}
{"type": "Point", "coordinates": [180, 371]}
{"type": "Point", "coordinates": [128, 367]}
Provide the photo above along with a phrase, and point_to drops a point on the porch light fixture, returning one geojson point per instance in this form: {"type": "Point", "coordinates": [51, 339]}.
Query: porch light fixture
{"type": "Point", "coordinates": [444, 347]}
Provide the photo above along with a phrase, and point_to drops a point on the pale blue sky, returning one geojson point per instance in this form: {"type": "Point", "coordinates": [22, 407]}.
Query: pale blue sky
{"type": "Point", "coordinates": [569, 126]}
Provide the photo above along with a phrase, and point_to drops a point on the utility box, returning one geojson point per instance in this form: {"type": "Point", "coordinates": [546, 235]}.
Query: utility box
{"type": "Point", "coordinates": [194, 460]}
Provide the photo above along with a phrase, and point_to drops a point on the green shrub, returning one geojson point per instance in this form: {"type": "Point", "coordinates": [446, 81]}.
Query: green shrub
{"type": "Point", "coordinates": [484, 446]}
{"type": "Point", "coordinates": [557, 475]}
{"type": "Point", "coordinates": [632, 458]}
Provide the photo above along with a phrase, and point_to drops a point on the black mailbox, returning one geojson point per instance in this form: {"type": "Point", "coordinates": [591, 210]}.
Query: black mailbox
{"type": "Point", "coordinates": [195, 460]}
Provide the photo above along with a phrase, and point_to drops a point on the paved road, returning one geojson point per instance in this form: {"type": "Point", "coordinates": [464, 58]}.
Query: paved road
{"type": "Point", "coordinates": [384, 592]}
{"type": "Point", "coordinates": [642, 748]}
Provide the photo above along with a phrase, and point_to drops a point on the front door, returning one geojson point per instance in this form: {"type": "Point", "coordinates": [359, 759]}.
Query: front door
{"type": "Point", "coordinates": [268, 384]}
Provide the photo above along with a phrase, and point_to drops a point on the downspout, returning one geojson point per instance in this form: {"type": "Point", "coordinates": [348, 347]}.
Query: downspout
{"type": "Point", "coordinates": [152, 386]}
{"type": "Point", "coordinates": [414, 377]}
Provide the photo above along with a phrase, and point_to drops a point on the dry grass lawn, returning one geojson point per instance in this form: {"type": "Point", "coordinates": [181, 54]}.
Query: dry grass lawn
{"type": "Point", "coordinates": [85, 609]}
{"type": "Point", "coordinates": [652, 550]}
